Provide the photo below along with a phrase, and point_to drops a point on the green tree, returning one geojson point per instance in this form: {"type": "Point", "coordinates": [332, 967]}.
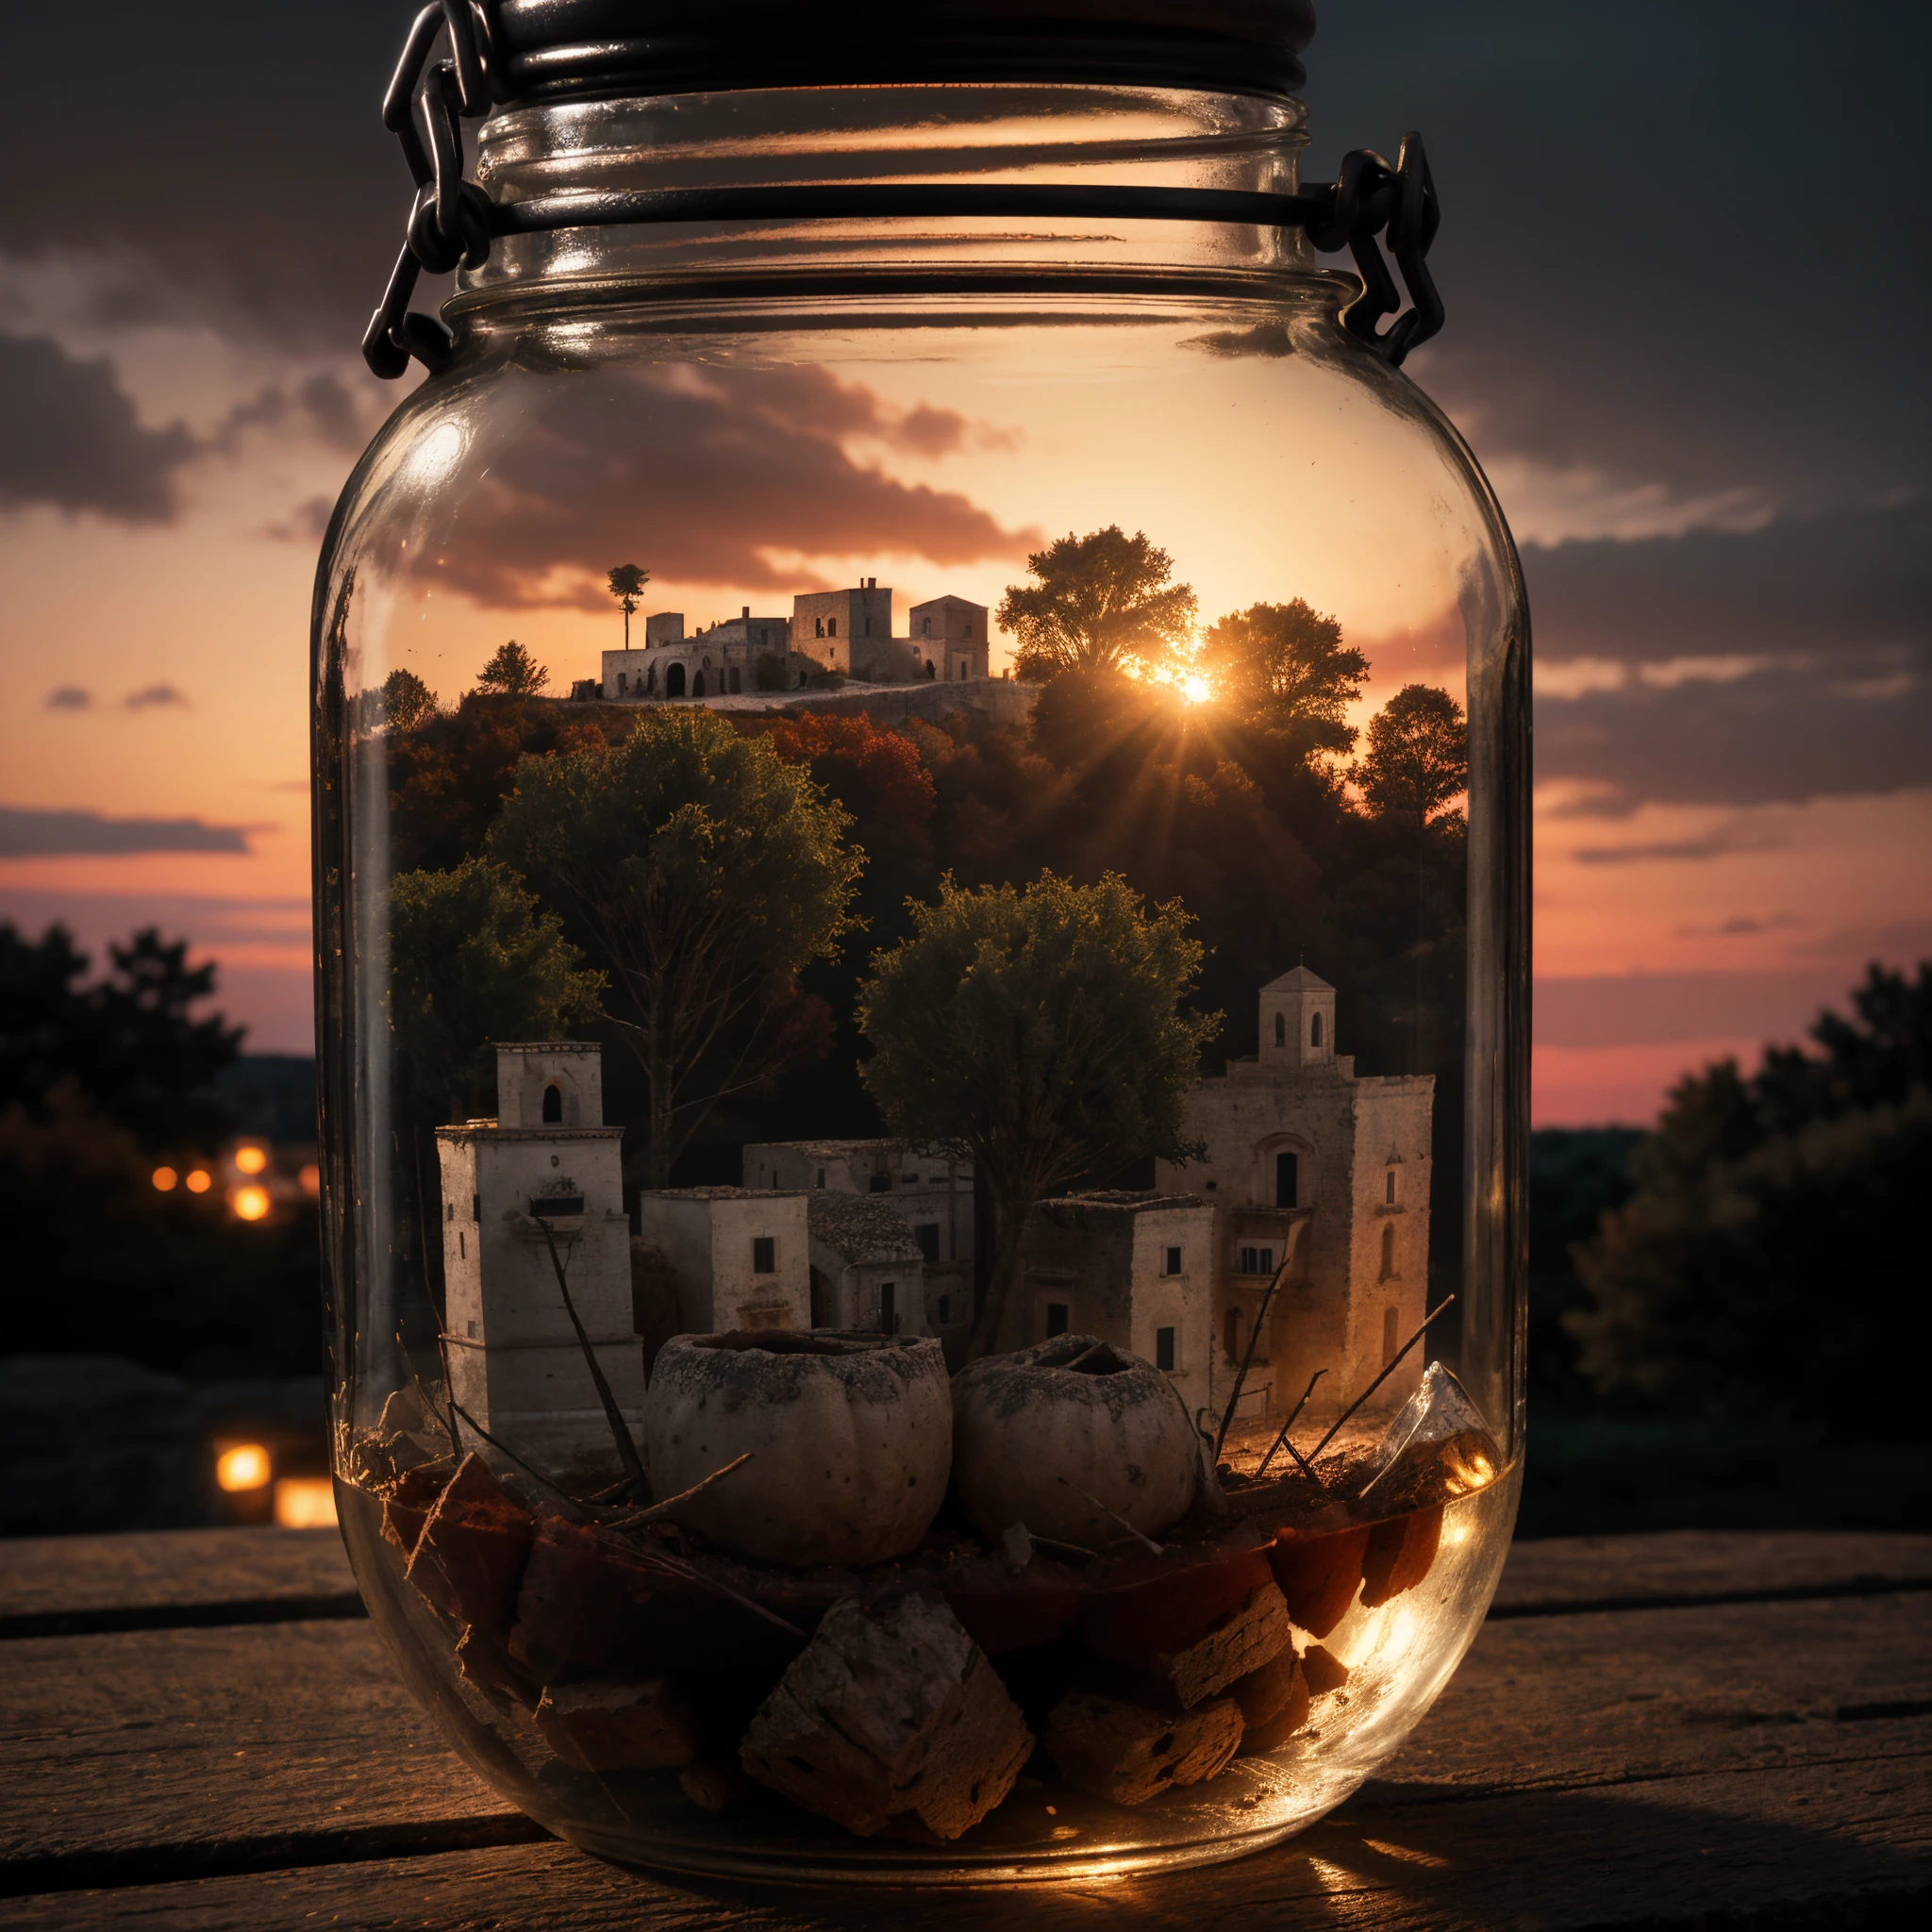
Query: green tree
{"type": "Point", "coordinates": [704, 870]}
{"type": "Point", "coordinates": [512, 673]}
{"type": "Point", "coordinates": [1286, 667]}
{"type": "Point", "coordinates": [1099, 602]}
{"type": "Point", "coordinates": [1039, 1034]}
{"type": "Point", "coordinates": [627, 581]}
{"type": "Point", "coordinates": [1771, 1264]}
{"type": "Point", "coordinates": [406, 701]}
{"type": "Point", "coordinates": [473, 959]}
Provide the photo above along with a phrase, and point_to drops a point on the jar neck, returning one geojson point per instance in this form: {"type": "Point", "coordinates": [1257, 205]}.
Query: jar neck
{"type": "Point", "coordinates": [957, 134]}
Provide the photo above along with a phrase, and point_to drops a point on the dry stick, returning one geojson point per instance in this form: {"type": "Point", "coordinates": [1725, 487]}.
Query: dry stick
{"type": "Point", "coordinates": [659, 1510]}
{"type": "Point", "coordinates": [1389, 1369]}
{"type": "Point", "coordinates": [672, 1566]}
{"type": "Point", "coordinates": [626, 1449]}
{"type": "Point", "coordinates": [1116, 1515]}
{"type": "Point", "coordinates": [1281, 1440]}
{"type": "Point", "coordinates": [528, 1469]}
{"type": "Point", "coordinates": [1248, 1359]}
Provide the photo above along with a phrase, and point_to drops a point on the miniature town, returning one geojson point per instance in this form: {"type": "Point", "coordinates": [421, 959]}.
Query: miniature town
{"type": "Point", "coordinates": [836, 1569]}
{"type": "Point", "coordinates": [845, 633]}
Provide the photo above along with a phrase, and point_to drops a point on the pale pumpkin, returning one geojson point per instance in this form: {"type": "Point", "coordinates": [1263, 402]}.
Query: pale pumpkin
{"type": "Point", "coordinates": [850, 1438]}
{"type": "Point", "coordinates": [1071, 1411]}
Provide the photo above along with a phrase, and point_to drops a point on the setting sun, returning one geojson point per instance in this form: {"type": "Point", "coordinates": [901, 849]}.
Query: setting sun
{"type": "Point", "coordinates": [1194, 689]}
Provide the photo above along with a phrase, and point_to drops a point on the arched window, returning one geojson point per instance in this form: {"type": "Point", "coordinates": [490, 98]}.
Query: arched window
{"type": "Point", "coordinates": [553, 1105]}
{"type": "Point", "coordinates": [1315, 1030]}
{"type": "Point", "coordinates": [928, 668]}
{"type": "Point", "coordinates": [1281, 1029]}
{"type": "Point", "coordinates": [674, 681]}
{"type": "Point", "coordinates": [925, 626]}
{"type": "Point", "coordinates": [1388, 1251]}
{"type": "Point", "coordinates": [697, 685]}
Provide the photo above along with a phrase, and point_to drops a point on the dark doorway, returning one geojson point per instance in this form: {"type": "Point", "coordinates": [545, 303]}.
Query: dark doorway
{"type": "Point", "coordinates": [674, 681]}
{"type": "Point", "coordinates": [888, 1311]}
{"type": "Point", "coordinates": [697, 684]}
{"type": "Point", "coordinates": [1056, 1319]}
{"type": "Point", "coordinates": [1287, 1180]}
{"type": "Point", "coordinates": [553, 1105]}
{"type": "Point", "coordinates": [736, 682]}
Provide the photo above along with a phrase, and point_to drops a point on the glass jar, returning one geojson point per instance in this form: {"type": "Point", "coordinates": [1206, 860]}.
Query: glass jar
{"type": "Point", "coordinates": [923, 1185]}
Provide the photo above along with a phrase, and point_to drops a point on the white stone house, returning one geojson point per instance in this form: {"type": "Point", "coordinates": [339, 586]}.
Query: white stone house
{"type": "Point", "coordinates": [1134, 1268]}
{"type": "Point", "coordinates": [546, 1162]}
{"type": "Point", "coordinates": [739, 1258]}
{"type": "Point", "coordinates": [1311, 1164]}
{"type": "Point", "coordinates": [842, 630]}
{"type": "Point", "coordinates": [867, 1271]}
{"type": "Point", "coordinates": [950, 639]}
{"type": "Point", "coordinates": [719, 662]}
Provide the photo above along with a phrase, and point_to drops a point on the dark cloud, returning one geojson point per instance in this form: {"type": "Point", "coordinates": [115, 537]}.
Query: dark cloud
{"type": "Point", "coordinates": [305, 524]}
{"type": "Point", "coordinates": [702, 476]}
{"type": "Point", "coordinates": [69, 437]}
{"type": "Point", "coordinates": [1852, 581]}
{"type": "Point", "coordinates": [1645, 1009]}
{"type": "Point", "coordinates": [26, 833]}
{"type": "Point", "coordinates": [1776, 735]}
{"type": "Point", "coordinates": [69, 697]}
{"type": "Point", "coordinates": [156, 697]}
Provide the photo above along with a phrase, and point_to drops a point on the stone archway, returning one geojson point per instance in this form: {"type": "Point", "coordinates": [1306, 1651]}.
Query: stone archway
{"type": "Point", "coordinates": [674, 681]}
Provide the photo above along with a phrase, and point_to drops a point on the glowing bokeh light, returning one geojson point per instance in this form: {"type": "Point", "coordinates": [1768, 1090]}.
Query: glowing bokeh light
{"type": "Point", "coordinates": [200, 1181]}
{"type": "Point", "coordinates": [312, 1181]}
{"type": "Point", "coordinates": [244, 1467]}
{"type": "Point", "coordinates": [250, 1203]}
{"type": "Point", "coordinates": [305, 1502]}
{"type": "Point", "coordinates": [251, 1159]}
{"type": "Point", "coordinates": [165, 1179]}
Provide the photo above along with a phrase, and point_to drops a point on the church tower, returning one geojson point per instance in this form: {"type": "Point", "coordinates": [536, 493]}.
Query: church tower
{"type": "Point", "coordinates": [1297, 1020]}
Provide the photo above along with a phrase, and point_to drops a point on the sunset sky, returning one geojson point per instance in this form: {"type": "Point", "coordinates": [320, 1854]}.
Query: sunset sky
{"type": "Point", "coordinates": [1686, 287]}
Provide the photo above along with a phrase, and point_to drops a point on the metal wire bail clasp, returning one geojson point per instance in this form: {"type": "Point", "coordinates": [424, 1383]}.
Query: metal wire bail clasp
{"type": "Point", "coordinates": [449, 222]}
{"type": "Point", "coordinates": [1369, 197]}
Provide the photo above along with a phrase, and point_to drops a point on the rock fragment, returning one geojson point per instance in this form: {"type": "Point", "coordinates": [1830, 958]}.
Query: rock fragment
{"type": "Point", "coordinates": [647, 1726]}
{"type": "Point", "coordinates": [1400, 1553]}
{"type": "Point", "coordinates": [469, 1558]}
{"type": "Point", "coordinates": [891, 1713]}
{"type": "Point", "coordinates": [1129, 1754]}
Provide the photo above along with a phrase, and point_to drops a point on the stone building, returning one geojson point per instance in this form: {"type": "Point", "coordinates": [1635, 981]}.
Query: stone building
{"type": "Point", "coordinates": [930, 1192]}
{"type": "Point", "coordinates": [719, 662]}
{"type": "Point", "coordinates": [1136, 1270]}
{"type": "Point", "coordinates": [1311, 1165]}
{"type": "Point", "coordinates": [867, 1271]}
{"type": "Point", "coordinates": [842, 630]}
{"type": "Point", "coordinates": [949, 639]}
{"type": "Point", "coordinates": [546, 1162]}
{"type": "Point", "coordinates": [731, 1258]}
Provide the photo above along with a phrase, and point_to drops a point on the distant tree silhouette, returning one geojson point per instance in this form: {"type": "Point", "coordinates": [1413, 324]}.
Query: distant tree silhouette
{"type": "Point", "coordinates": [405, 699]}
{"type": "Point", "coordinates": [627, 581]}
{"type": "Point", "coordinates": [1101, 602]}
{"type": "Point", "coordinates": [1285, 666]}
{"type": "Point", "coordinates": [512, 673]}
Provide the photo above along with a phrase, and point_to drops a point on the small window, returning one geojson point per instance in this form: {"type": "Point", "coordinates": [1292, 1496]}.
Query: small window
{"type": "Point", "coordinates": [945, 1307]}
{"type": "Point", "coordinates": [1281, 1029]}
{"type": "Point", "coordinates": [832, 628]}
{"type": "Point", "coordinates": [553, 1105]}
{"type": "Point", "coordinates": [1287, 1180]}
{"type": "Point", "coordinates": [820, 1181]}
{"type": "Point", "coordinates": [1056, 1319]}
{"type": "Point", "coordinates": [1173, 1262]}
{"type": "Point", "coordinates": [1315, 1030]}
{"type": "Point", "coordinates": [889, 1308]}
{"type": "Point", "coordinates": [1256, 1261]}
{"type": "Point", "coordinates": [1388, 1190]}
{"type": "Point", "coordinates": [477, 1207]}
{"type": "Point", "coordinates": [927, 1234]}
{"type": "Point", "coordinates": [623, 684]}
{"type": "Point", "coordinates": [1163, 1348]}
{"type": "Point", "coordinates": [881, 1184]}
{"type": "Point", "coordinates": [820, 630]}
{"type": "Point", "coordinates": [450, 1210]}
{"type": "Point", "coordinates": [925, 626]}
{"type": "Point", "coordinates": [462, 1253]}
{"type": "Point", "coordinates": [764, 1255]}
{"type": "Point", "coordinates": [1388, 1251]}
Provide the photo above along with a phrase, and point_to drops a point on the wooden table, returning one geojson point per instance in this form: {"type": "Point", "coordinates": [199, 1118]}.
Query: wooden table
{"type": "Point", "coordinates": [201, 1730]}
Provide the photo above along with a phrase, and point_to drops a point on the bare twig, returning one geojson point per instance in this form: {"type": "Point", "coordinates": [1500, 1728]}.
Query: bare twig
{"type": "Point", "coordinates": [1248, 1359]}
{"type": "Point", "coordinates": [1053, 1543]}
{"type": "Point", "coordinates": [1116, 1515]}
{"type": "Point", "coordinates": [1388, 1370]}
{"type": "Point", "coordinates": [528, 1469]}
{"type": "Point", "coordinates": [1281, 1440]}
{"type": "Point", "coordinates": [626, 1449]}
{"type": "Point", "coordinates": [657, 1511]}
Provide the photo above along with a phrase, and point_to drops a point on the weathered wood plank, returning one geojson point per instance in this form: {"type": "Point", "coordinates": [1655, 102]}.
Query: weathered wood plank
{"type": "Point", "coordinates": [1784, 1847]}
{"type": "Point", "coordinates": [203, 1751]}
{"type": "Point", "coordinates": [1707, 1566]}
{"type": "Point", "coordinates": [163, 1577]}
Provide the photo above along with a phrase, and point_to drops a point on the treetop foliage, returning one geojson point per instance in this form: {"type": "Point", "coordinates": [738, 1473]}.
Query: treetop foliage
{"type": "Point", "coordinates": [1099, 602]}
{"type": "Point", "coordinates": [1771, 1261]}
{"type": "Point", "coordinates": [1417, 754]}
{"type": "Point", "coordinates": [1285, 665]}
{"type": "Point", "coordinates": [626, 582]}
{"type": "Point", "coordinates": [128, 1043]}
{"type": "Point", "coordinates": [879, 775]}
{"type": "Point", "coordinates": [512, 673]}
{"type": "Point", "coordinates": [473, 959]}
{"type": "Point", "coordinates": [402, 701]}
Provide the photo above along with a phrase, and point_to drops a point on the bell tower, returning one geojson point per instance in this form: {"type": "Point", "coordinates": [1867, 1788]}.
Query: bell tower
{"type": "Point", "coordinates": [1297, 1020]}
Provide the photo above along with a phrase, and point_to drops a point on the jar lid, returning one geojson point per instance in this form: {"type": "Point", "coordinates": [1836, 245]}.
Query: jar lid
{"type": "Point", "coordinates": [546, 48]}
